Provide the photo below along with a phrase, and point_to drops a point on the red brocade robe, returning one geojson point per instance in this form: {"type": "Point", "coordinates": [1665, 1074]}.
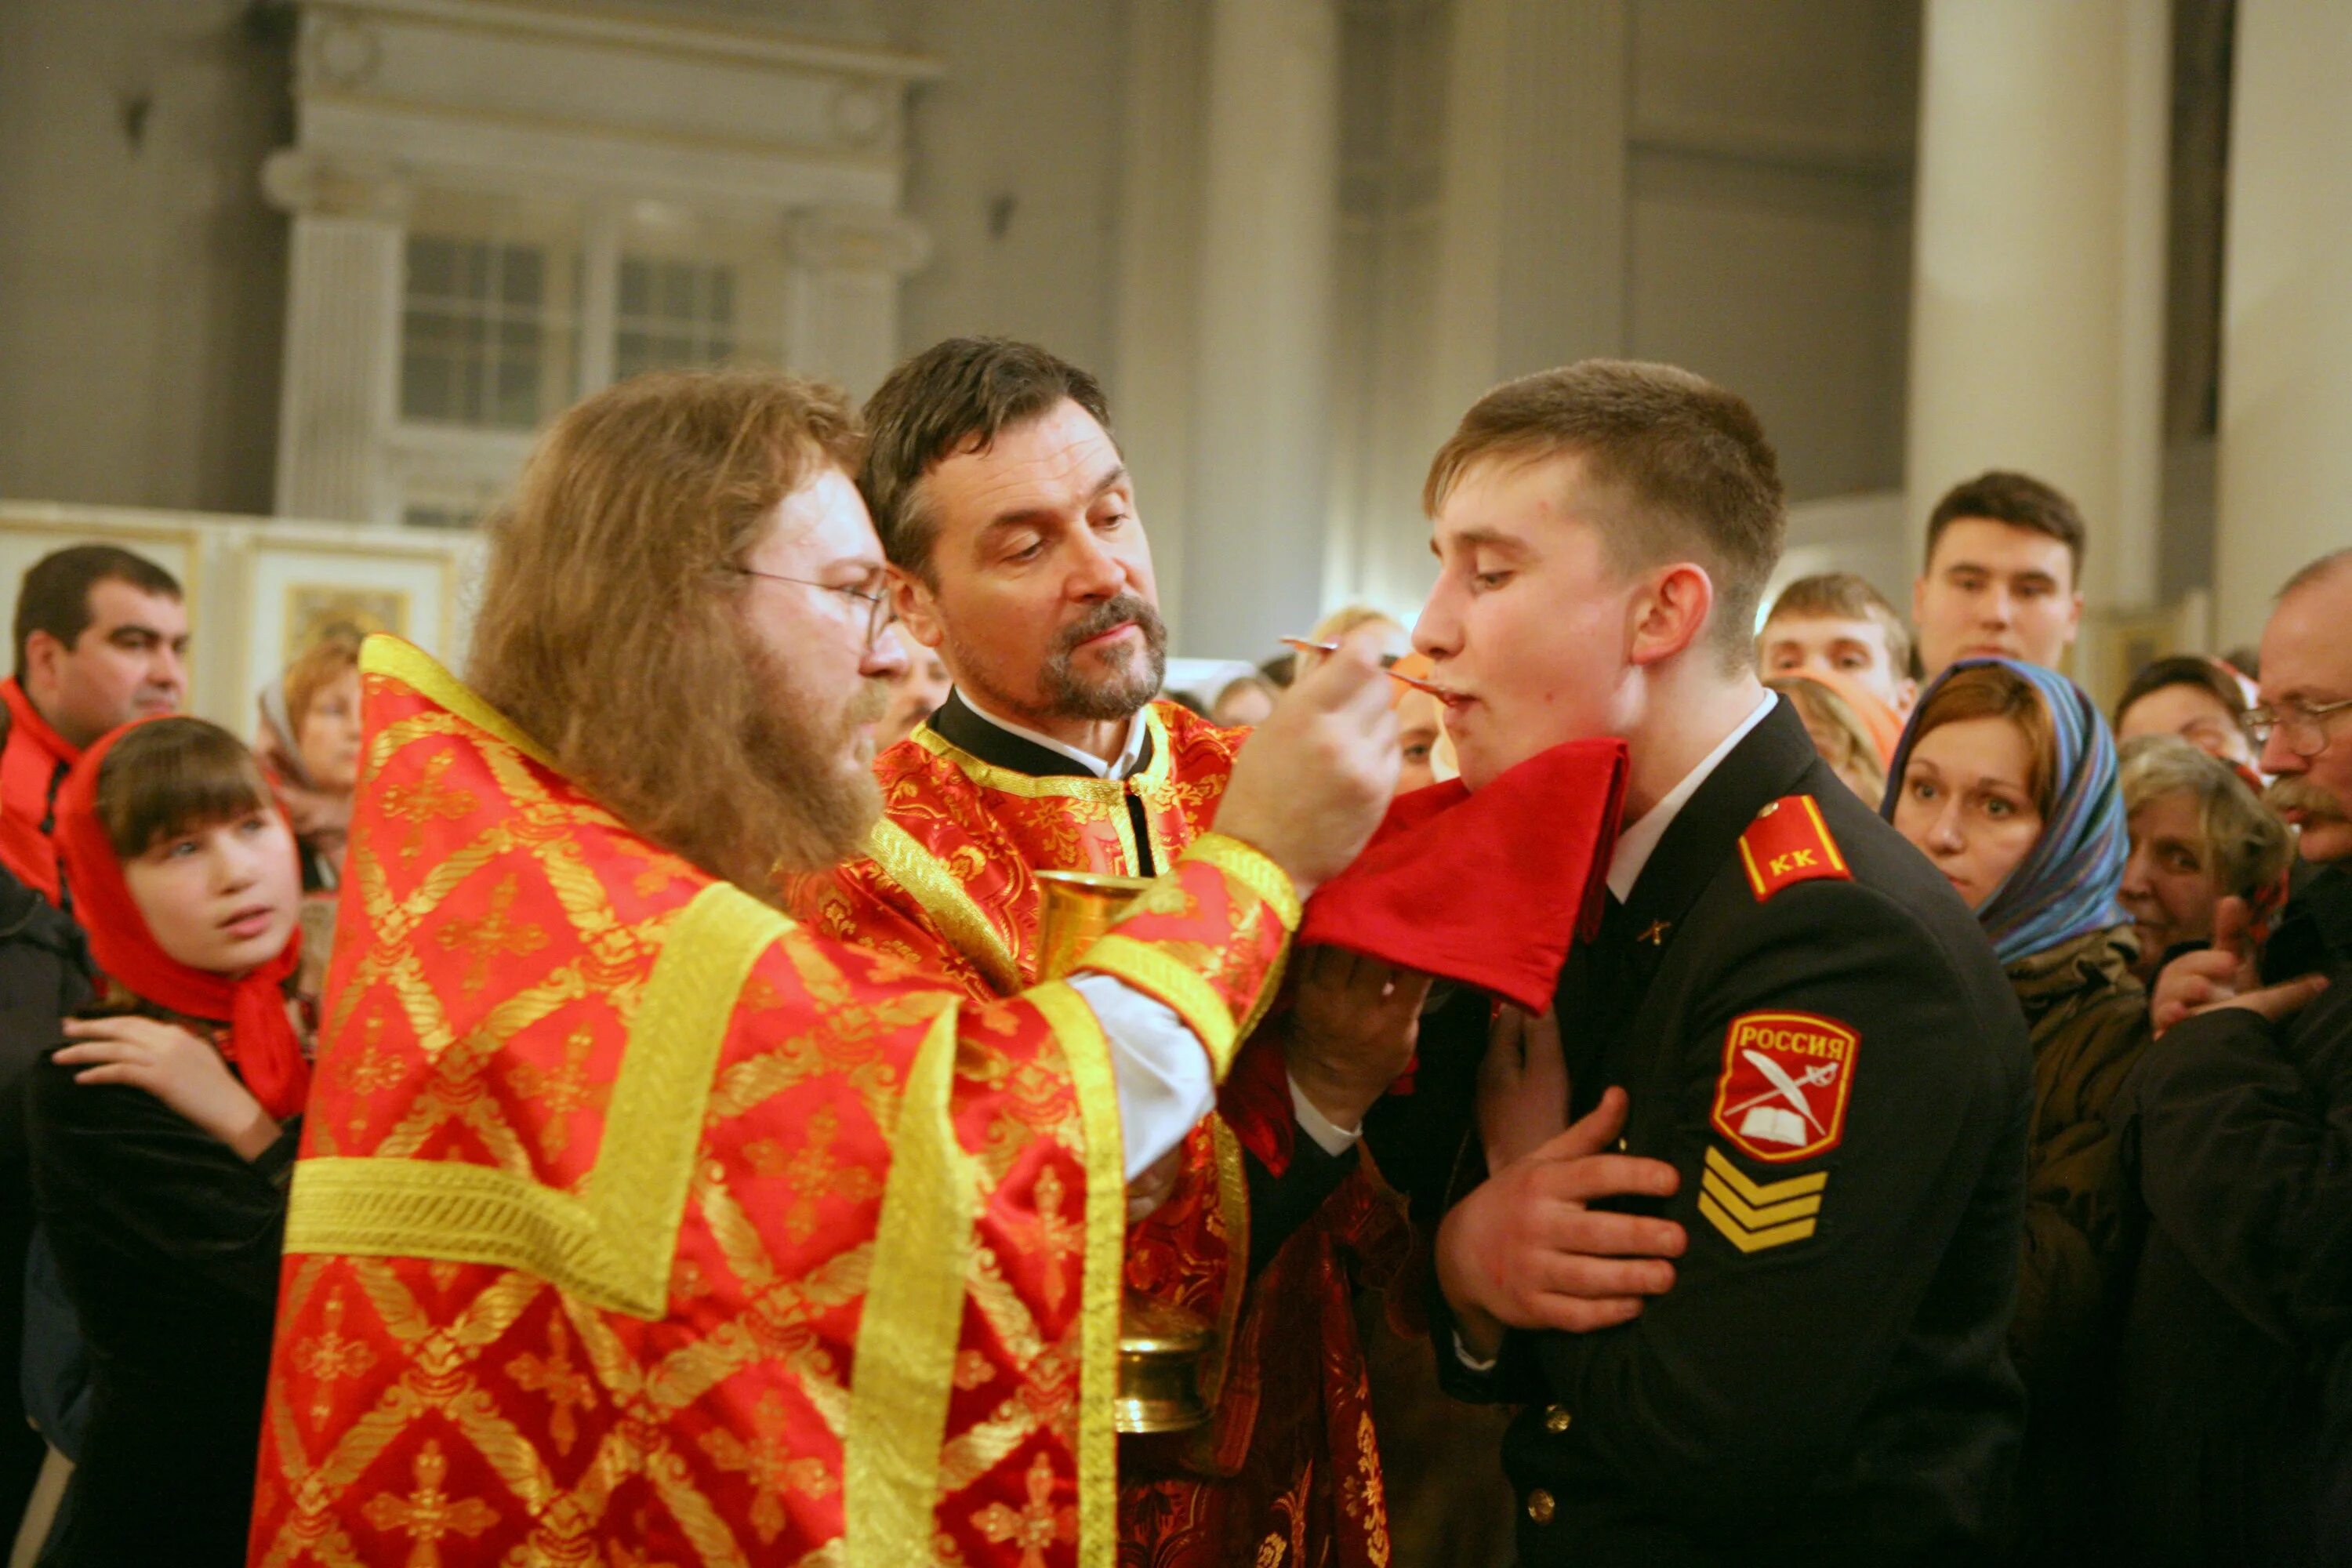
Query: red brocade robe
{"type": "Point", "coordinates": [638, 1225]}
{"type": "Point", "coordinates": [1285, 1470]}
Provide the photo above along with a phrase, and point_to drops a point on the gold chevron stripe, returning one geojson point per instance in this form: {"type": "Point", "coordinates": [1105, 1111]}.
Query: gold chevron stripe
{"type": "Point", "coordinates": [1762, 1194]}
{"type": "Point", "coordinates": [1753, 1218]}
{"type": "Point", "coordinates": [1750, 1241]}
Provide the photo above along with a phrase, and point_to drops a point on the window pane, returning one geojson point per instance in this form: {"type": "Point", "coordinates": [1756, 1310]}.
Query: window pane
{"type": "Point", "coordinates": [636, 287]}
{"type": "Point", "coordinates": [432, 266]}
{"type": "Point", "coordinates": [521, 275]}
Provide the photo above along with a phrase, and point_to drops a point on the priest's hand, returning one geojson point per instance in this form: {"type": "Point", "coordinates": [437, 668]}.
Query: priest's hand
{"type": "Point", "coordinates": [1353, 1022]}
{"type": "Point", "coordinates": [1523, 1251]}
{"type": "Point", "coordinates": [1522, 1085]}
{"type": "Point", "coordinates": [1315, 778]}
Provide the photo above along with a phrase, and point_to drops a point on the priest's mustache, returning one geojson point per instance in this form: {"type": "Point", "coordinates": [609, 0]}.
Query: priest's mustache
{"type": "Point", "coordinates": [1113, 613]}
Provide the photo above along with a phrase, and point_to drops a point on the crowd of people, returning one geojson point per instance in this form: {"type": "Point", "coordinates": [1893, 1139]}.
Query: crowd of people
{"type": "Point", "coordinates": [628, 1105]}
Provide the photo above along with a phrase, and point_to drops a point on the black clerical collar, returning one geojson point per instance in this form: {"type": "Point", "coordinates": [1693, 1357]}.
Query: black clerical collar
{"type": "Point", "coordinates": [968, 729]}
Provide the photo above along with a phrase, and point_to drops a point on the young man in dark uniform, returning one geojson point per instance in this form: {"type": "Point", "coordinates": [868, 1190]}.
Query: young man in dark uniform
{"type": "Point", "coordinates": [1767, 1326]}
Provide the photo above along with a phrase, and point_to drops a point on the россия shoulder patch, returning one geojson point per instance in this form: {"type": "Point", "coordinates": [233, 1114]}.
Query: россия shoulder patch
{"type": "Point", "coordinates": [1786, 1080]}
{"type": "Point", "coordinates": [1788, 843]}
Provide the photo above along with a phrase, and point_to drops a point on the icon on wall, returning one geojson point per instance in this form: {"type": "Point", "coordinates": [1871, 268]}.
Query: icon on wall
{"type": "Point", "coordinates": [314, 610]}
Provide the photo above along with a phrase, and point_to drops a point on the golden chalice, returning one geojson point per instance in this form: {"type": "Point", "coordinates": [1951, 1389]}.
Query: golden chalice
{"type": "Point", "coordinates": [1161, 1346]}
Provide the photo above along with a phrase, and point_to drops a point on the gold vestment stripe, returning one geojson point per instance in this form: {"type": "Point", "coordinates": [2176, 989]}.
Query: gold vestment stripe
{"type": "Point", "coordinates": [1152, 780]}
{"type": "Point", "coordinates": [615, 1244]}
{"type": "Point", "coordinates": [905, 1366]}
{"type": "Point", "coordinates": [388, 655]}
{"type": "Point", "coordinates": [1150, 969]}
{"type": "Point", "coordinates": [1251, 868]}
{"type": "Point", "coordinates": [1103, 1289]}
{"type": "Point", "coordinates": [957, 915]}
{"type": "Point", "coordinates": [1760, 1194]}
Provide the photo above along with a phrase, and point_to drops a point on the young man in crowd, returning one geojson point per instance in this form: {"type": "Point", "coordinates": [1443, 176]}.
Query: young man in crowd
{"type": "Point", "coordinates": [1018, 552]}
{"type": "Point", "coordinates": [101, 639]}
{"type": "Point", "coordinates": [1836, 621]}
{"type": "Point", "coordinates": [2237, 1355]}
{"type": "Point", "coordinates": [2003, 576]}
{"type": "Point", "coordinates": [638, 1220]}
{"type": "Point", "coordinates": [1790, 1055]}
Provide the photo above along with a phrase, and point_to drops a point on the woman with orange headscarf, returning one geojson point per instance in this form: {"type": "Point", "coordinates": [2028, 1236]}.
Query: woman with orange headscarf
{"type": "Point", "coordinates": [163, 1133]}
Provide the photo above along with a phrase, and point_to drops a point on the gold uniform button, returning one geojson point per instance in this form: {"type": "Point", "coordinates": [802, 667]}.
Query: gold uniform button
{"type": "Point", "coordinates": [1540, 1508]}
{"type": "Point", "coordinates": [1556, 1419]}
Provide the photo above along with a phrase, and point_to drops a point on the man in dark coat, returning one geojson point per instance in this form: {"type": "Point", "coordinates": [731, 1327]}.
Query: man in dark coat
{"type": "Point", "coordinates": [1792, 1029]}
{"type": "Point", "coordinates": [44, 975]}
{"type": "Point", "coordinates": [2237, 1354]}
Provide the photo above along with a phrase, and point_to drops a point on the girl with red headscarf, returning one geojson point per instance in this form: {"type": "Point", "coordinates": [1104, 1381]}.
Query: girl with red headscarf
{"type": "Point", "coordinates": [163, 1133]}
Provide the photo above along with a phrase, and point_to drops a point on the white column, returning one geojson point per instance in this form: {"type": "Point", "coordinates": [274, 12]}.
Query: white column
{"type": "Point", "coordinates": [1151, 376]}
{"type": "Point", "coordinates": [1270, 204]}
{"type": "Point", "coordinates": [2037, 306]}
{"type": "Point", "coordinates": [843, 321]}
{"type": "Point", "coordinates": [342, 335]}
{"type": "Point", "coordinates": [1531, 265]}
{"type": "Point", "coordinates": [2286, 483]}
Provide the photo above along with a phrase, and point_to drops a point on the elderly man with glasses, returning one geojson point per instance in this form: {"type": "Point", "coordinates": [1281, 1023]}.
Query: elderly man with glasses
{"type": "Point", "coordinates": [2236, 1370]}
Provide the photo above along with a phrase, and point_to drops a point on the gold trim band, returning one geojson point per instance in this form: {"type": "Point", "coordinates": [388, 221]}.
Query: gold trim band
{"type": "Point", "coordinates": [1249, 866]}
{"type": "Point", "coordinates": [615, 1244]}
{"type": "Point", "coordinates": [1149, 968]}
{"type": "Point", "coordinates": [955, 911]}
{"type": "Point", "coordinates": [1103, 1295]}
{"type": "Point", "coordinates": [905, 1366]}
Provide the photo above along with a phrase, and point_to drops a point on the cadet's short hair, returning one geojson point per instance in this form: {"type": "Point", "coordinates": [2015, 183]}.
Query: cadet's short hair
{"type": "Point", "coordinates": [955, 396]}
{"type": "Point", "coordinates": [55, 597]}
{"type": "Point", "coordinates": [1705, 484]}
{"type": "Point", "coordinates": [2019, 501]}
{"type": "Point", "coordinates": [1845, 596]}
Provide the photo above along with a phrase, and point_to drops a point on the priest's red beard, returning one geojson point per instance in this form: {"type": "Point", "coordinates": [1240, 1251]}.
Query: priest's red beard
{"type": "Point", "coordinates": [821, 764]}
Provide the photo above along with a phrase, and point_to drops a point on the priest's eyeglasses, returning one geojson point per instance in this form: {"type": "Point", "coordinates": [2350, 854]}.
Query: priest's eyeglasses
{"type": "Point", "coordinates": [2303, 726]}
{"type": "Point", "coordinates": [879, 615]}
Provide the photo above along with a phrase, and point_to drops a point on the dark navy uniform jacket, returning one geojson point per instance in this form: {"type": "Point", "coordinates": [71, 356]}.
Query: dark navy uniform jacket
{"type": "Point", "coordinates": [1814, 1031]}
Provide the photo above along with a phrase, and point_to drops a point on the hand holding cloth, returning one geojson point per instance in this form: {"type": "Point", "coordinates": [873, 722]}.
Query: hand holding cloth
{"type": "Point", "coordinates": [1485, 888]}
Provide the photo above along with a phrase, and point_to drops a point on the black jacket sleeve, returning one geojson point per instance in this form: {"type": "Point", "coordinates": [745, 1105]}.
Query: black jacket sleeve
{"type": "Point", "coordinates": [2242, 1132]}
{"type": "Point", "coordinates": [1731, 1389]}
{"type": "Point", "coordinates": [120, 1178]}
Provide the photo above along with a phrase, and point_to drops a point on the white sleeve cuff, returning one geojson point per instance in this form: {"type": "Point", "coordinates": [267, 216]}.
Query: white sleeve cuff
{"type": "Point", "coordinates": [1329, 1137]}
{"type": "Point", "coordinates": [1164, 1082]}
{"type": "Point", "coordinates": [1462, 1353]}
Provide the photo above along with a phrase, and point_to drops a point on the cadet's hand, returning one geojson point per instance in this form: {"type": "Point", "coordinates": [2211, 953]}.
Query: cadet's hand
{"type": "Point", "coordinates": [175, 1067]}
{"type": "Point", "coordinates": [2226, 975]}
{"type": "Point", "coordinates": [1310, 785]}
{"type": "Point", "coordinates": [1353, 1022]}
{"type": "Point", "coordinates": [1522, 1085]}
{"type": "Point", "coordinates": [1523, 1251]}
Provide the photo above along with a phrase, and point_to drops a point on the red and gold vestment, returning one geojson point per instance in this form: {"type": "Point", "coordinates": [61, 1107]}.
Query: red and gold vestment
{"type": "Point", "coordinates": [637, 1224]}
{"type": "Point", "coordinates": [1287, 1464]}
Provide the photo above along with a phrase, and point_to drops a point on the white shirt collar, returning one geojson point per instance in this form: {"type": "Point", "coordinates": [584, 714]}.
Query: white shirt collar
{"type": "Point", "coordinates": [1640, 838]}
{"type": "Point", "coordinates": [1129, 756]}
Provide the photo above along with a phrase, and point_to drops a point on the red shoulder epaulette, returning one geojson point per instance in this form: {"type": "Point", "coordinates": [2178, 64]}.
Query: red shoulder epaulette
{"type": "Point", "coordinates": [1788, 843]}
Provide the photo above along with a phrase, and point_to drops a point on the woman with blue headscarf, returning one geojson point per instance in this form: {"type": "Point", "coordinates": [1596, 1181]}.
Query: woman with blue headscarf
{"type": "Point", "coordinates": [2006, 779]}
